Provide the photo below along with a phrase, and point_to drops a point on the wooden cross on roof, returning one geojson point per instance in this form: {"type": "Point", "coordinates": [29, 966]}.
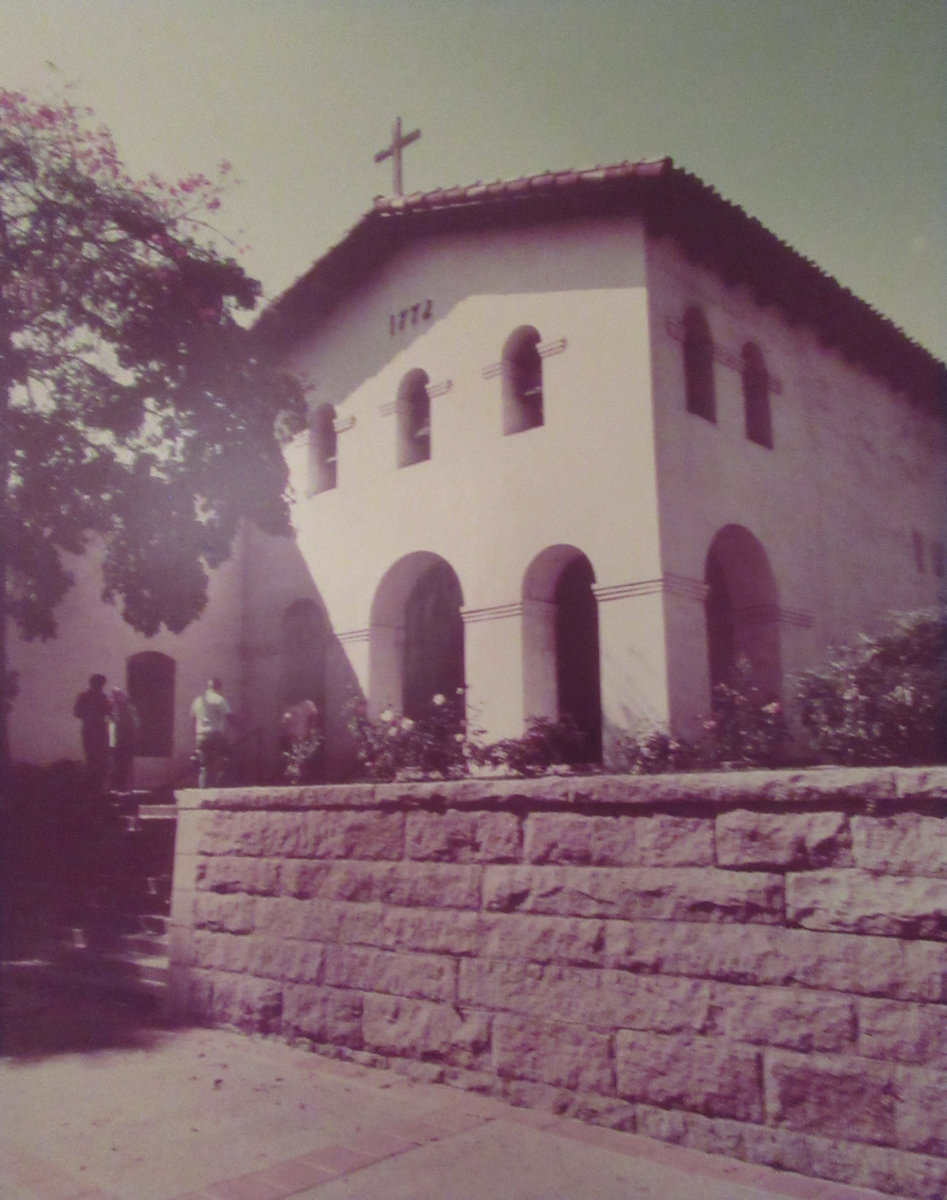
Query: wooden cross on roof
{"type": "Point", "coordinates": [398, 143]}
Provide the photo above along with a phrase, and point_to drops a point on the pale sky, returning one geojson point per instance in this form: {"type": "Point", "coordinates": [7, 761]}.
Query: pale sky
{"type": "Point", "coordinates": [825, 119]}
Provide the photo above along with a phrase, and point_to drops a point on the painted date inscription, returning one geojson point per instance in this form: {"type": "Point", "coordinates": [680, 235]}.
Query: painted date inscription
{"type": "Point", "coordinates": [399, 321]}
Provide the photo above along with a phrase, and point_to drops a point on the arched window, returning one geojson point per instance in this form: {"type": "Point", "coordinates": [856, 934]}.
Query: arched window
{"type": "Point", "coordinates": [323, 446]}
{"type": "Point", "coordinates": [149, 682]}
{"type": "Point", "coordinates": [759, 425]}
{"type": "Point", "coordinates": [414, 419]}
{"type": "Point", "coordinates": [699, 366]}
{"type": "Point", "coordinates": [522, 381]}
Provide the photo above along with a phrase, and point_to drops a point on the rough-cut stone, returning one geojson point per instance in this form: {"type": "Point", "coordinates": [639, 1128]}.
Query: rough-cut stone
{"type": "Point", "coordinates": [775, 841]}
{"type": "Point", "coordinates": [921, 1113]}
{"type": "Point", "coordinates": [909, 1033]}
{"type": "Point", "coordinates": [855, 1163]}
{"type": "Point", "coordinates": [758, 954]}
{"type": "Point", "coordinates": [551, 1052]}
{"type": "Point", "coordinates": [276, 958]}
{"type": "Point", "coordinates": [323, 1014]}
{"type": "Point", "coordinates": [600, 999]}
{"type": "Point", "coordinates": [255, 876]}
{"type": "Point", "coordinates": [708, 1075]}
{"type": "Point", "coordinates": [905, 844]}
{"type": "Point", "coordinates": [542, 939]}
{"type": "Point", "coordinates": [334, 834]}
{"type": "Point", "coordinates": [463, 837]}
{"type": "Point", "coordinates": [645, 841]}
{"type": "Point", "coordinates": [421, 976]}
{"type": "Point", "coordinates": [832, 1096]}
{"type": "Point", "coordinates": [418, 1028]}
{"type": "Point", "coordinates": [794, 1018]}
{"type": "Point", "coordinates": [221, 951]}
{"type": "Point", "coordinates": [436, 931]}
{"type": "Point", "coordinates": [861, 902]}
{"type": "Point", "coordinates": [224, 914]}
{"type": "Point", "coordinates": [675, 893]}
{"type": "Point", "coordinates": [424, 884]}
{"type": "Point", "coordinates": [254, 1005]}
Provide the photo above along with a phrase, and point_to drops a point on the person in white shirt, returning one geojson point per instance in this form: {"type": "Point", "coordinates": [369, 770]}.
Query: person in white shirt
{"type": "Point", "coordinates": [212, 718]}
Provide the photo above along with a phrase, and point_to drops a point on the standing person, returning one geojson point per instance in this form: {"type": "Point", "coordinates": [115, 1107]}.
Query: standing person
{"type": "Point", "coordinates": [93, 709]}
{"type": "Point", "coordinates": [212, 716]}
{"type": "Point", "coordinates": [123, 739]}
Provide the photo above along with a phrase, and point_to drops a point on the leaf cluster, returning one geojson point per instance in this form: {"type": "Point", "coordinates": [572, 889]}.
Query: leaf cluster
{"type": "Point", "coordinates": [135, 402]}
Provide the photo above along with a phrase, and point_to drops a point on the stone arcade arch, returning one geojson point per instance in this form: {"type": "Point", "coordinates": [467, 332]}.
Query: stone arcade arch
{"type": "Point", "coordinates": [561, 665]}
{"type": "Point", "coordinates": [416, 646]}
{"type": "Point", "coordinates": [742, 609]}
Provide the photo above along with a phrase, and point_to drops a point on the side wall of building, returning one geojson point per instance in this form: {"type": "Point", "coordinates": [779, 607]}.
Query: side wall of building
{"type": "Point", "coordinates": [848, 505]}
{"type": "Point", "coordinates": [750, 964]}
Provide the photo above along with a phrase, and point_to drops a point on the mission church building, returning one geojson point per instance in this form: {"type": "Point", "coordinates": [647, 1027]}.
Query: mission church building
{"type": "Point", "coordinates": [577, 442]}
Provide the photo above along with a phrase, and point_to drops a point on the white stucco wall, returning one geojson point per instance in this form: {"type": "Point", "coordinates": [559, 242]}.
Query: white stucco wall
{"type": "Point", "coordinates": [853, 470]}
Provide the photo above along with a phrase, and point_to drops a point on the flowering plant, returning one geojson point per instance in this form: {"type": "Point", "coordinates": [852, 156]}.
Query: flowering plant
{"type": "Point", "coordinates": [432, 745]}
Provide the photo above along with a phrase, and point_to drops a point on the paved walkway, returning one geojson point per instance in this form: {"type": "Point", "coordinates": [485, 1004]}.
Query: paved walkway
{"type": "Point", "coordinates": [195, 1114]}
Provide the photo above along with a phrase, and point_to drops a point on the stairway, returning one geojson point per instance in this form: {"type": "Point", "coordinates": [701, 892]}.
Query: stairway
{"type": "Point", "coordinates": [109, 927]}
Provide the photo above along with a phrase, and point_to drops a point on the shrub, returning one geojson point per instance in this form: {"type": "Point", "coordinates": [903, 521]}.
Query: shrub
{"type": "Point", "coordinates": [544, 746]}
{"type": "Point", "coordinates": [748, 728]}
{"type": "Point", "coordinates": [882, 701]}
{"type": "Point", "coordinates": [431, 746]}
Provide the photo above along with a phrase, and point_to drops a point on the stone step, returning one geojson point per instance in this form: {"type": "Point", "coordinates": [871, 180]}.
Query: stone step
{"type": "Point", "coordinates": [117, 972]}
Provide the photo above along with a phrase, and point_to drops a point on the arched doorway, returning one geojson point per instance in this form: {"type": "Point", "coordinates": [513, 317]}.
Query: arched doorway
{"type": "Point", "coordinates": [149, 682]}
{"type": "Point", "coordinates": [417, 635]}
{"type": "Point", "coordinates": [742, 610]}
{"type": "Point", "coordinates": [303, 641]}
{"type": "Point", "coordinates": [561, 668]}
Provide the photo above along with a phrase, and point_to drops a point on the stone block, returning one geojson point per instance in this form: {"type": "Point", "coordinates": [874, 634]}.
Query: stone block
{"type": "Point", "coordinates": [903, 844]}
{"type": "Point", "coordinates": [707, 1075]}
{"type": "Point", "coordinates": [434, 931]}
{"type": "Point", "coordinates": [542, 939]}
{"type": "Point", "coordinates": [854, 1098]}
{"type": "Point", "coordinates": [463, 837]}
{"type": "Point", "coordinates": [421, 1029]}
{"type": "Point", "coordinates": [858, 901]}
{"type": "Point", "coordinates": [646, 841]}
{"type": "Point", "coordinates": [406, 884]}
{"type": "Point", "coordinates": [221, 951]}
{"type": "Point", "coordinates": [758, 954]}
{"type": "Point", "coordinates": [794, 1018]}
{"type": "Point", "coordinates": [255, 876]}
{"type": "Point", "coordinates": [637, 893]}
{"type": "Point", "coordinates": [552, 1052]}
{"type": "Point", "coordinates": [908, 1033]}
{"type": "Point", "coordinates": [779, 841]}
{"type": "Point", "coordinates": [419, 976]}
{"type": "Point", "coordinates": [323, 1014]}
{"type": "Point", "coordinates": [253, 1005]}
{"type": "Point", "coordinates": [921, 1115]}
{"type": "Point", "coordinates": [223, 913]}
{"type": "Point", "coordinates": [604, 1000]}
{"type": "Point", "coordinates": [279, 958]}
{"type": "Point", "coordinates": [361, 834]}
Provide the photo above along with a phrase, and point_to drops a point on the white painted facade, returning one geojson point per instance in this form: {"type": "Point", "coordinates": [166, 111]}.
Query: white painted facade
{"type": "Point", "coordinates": [836, 525]}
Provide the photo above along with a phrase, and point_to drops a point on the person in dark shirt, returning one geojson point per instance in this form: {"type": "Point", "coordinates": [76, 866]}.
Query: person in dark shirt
{"type": "Point", "coordinates": [93, 709]}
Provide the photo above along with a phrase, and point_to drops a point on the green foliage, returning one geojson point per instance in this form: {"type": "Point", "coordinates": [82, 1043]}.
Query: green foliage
{"type": "Point", "coordinates": [432, 746]}
{"type": "Point", "coordinates": [747, 729]}
{"type": "Point", "coordinates": [134, 404]}
{"type": "Point", "coordinates": [545, 746]}
{"type": "Point", "coordinates": [302, 740]}
{"type": "Point", "coordinates": [653, 752]}
{"type": "Point", "coordinates": [882, 700]}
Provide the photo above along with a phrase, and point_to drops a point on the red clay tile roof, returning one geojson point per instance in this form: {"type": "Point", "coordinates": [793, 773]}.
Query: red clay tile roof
{"type": "Point", "coordinates": [672, 203]}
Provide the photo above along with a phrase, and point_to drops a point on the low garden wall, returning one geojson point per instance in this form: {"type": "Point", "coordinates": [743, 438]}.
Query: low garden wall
{"type": "Point", "coordinates": [753, 964]}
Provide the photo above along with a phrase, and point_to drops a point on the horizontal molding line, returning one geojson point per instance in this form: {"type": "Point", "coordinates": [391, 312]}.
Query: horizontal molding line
{"type": "Point", "coordinates": [763, 614]}
{"type": "Point", "coordinates": [343, 424]}
{"type": "Point", "coordinates": [546, 349]}
{"type": "Point", "coordinates": [674, 585]}
{"type": "Point", "coordinates": [439, 389]}
{"type": "Point", "coordinates": [353, 635]}
{"type": "Point", "coordinates": [495, 612]}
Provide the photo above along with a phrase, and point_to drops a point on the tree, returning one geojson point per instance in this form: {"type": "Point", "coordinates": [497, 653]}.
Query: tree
{"type": "Point", "coordinates": [135, 407]}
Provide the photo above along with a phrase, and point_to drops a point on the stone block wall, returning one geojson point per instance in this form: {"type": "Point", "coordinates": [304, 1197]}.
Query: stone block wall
{"type": "Point", "coordinates": [752, 964]}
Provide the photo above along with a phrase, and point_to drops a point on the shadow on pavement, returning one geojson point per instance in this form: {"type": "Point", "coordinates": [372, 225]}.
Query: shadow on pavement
{"type": "Point", "coordinates": [42, 1016]}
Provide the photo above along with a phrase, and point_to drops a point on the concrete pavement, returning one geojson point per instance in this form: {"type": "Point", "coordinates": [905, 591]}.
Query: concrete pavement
{"type": "Point", "coordinates": [122, 1109]}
